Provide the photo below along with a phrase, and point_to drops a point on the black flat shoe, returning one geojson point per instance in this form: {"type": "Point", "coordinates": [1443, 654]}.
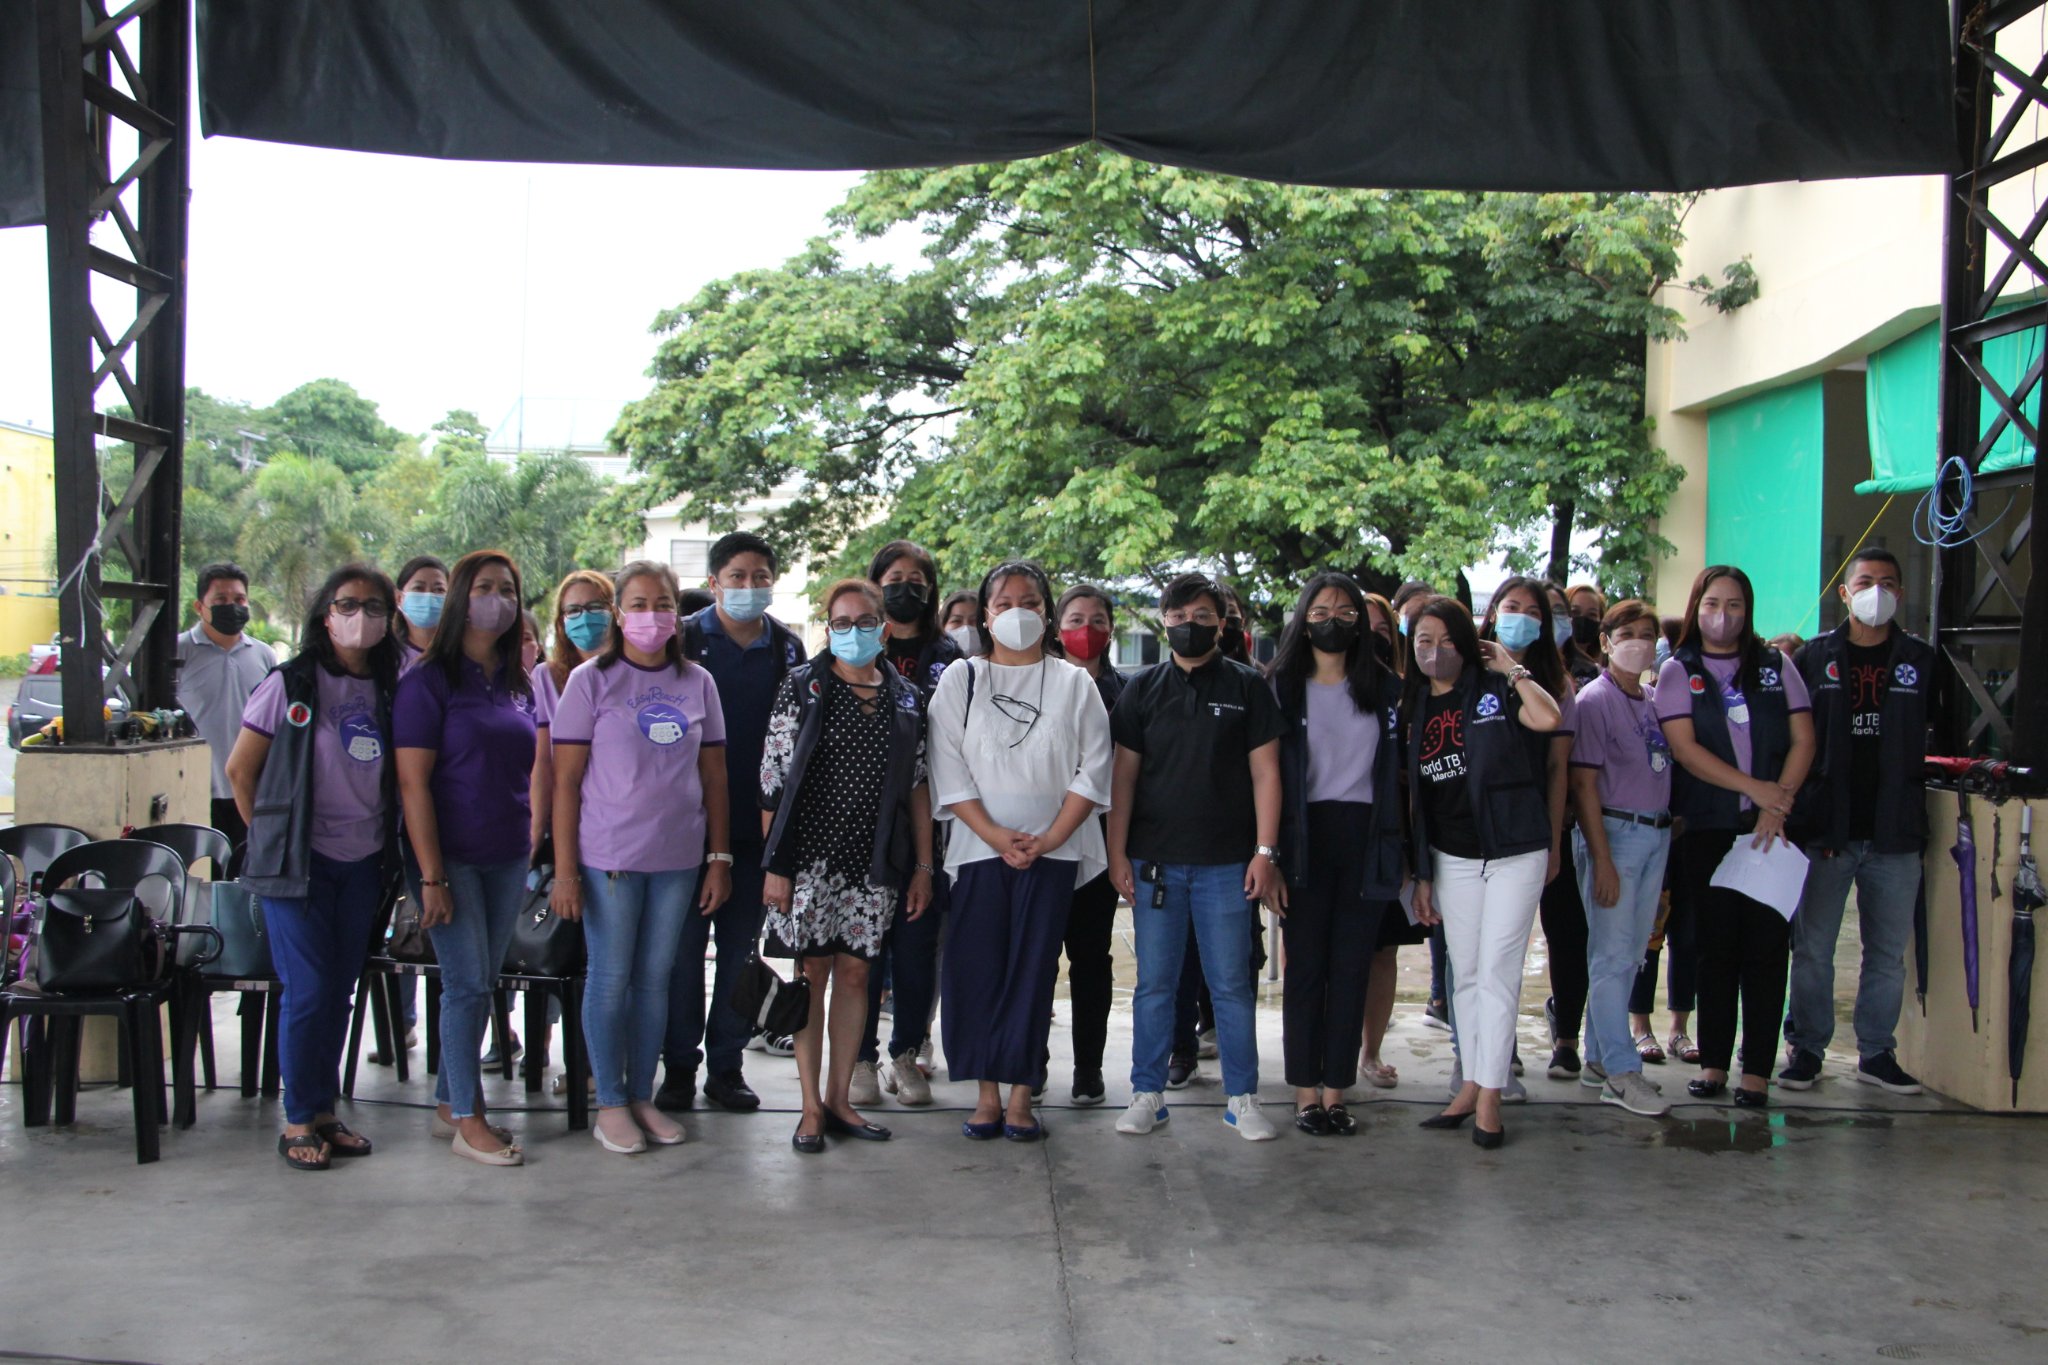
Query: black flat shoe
{"type": "Point", "coordinates": [1445, 1122]}
{"type": "Point", "coordinates": [1705, 1090]}
{"type": "Point", "coordinates": [865, 1132]}
{"type": "Point", "coordinates": [1752, 1099]}
{"type": "Point", "coordinates": [810, 1144]}
{"type": "Point", "coordinates": [1488, 1140]}
{"type": "Point", "coordinates": [1314, 1120]}
{"type": "Point", "coordinates": [1341, 1122]}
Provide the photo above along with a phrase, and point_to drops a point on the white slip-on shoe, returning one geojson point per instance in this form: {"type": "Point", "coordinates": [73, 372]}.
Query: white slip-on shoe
{"type": "Point", "coordinates": [1243, 1113]}
{"type": "Point", "coordinates": [620, 1120]}
{"type": "Point", "coordinates": [508, 1155]}
{"type": "Point", "coordinates": [661, 1130]}
{"type": "Point", "coordinates": [444, 1130]}
{"type": "Point", "coordinates": [1147, 1111]}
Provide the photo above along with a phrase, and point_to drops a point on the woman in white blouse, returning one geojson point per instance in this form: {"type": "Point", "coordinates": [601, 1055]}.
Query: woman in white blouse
{"type": "Point", "coordinates": [1020, 764]}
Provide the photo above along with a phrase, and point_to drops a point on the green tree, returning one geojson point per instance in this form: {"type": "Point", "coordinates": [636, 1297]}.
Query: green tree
{"type": "Point", "coordinates": [300, 518]}
{"type": "Point", "coordinates": [1123, 369]}
{"type": "Point", "coordinates": [460, 433]}
{"type": "Point", "coordinates": [329, 419]}
{"type": "Point", "coordinates": [541, 511]}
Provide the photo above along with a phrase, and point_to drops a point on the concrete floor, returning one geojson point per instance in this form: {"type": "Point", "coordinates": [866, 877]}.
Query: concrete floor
{"type": "Point", "coordinates": [1844, 1225]}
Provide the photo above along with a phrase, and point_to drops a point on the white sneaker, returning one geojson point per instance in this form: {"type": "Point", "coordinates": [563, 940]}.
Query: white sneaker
{"type": "Point", "coordinates": [1514, 1092]}
{"type": "Point", "coordinates": [757, 1043]}
{"type": "Point", "coordinates": [1148, 1110]}
{"type": "Point", "coordinates": [866, 1089]}
{"type": "Point", "coordinates": [1205, 1045]}
{"type": "Point", "coordinates": [1633, 1093]}
{"type": "Point", "coordinates": [1244, 1115]}
{"type": "Point", "coordinates": [924, 1057]}
{"type": "Point", "coordinates": [906, 1081]}
{"type": "Point", "coordinates": [1592, 1075]}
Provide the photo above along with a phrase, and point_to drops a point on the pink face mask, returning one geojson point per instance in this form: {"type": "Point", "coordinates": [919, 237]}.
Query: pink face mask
{"type": "Point", "coordinates": [360, 631]}
{"type": "Point", "coordinates": [1721, 628]}
{"type": "Point", "coordinates": [647, 631]}
{"type": "Point", "coordinates": [1443, 664]}
{"type": "Point", "coordinates": [491, 613]}
{"type": "Point", "coordinates": [1633, 657]}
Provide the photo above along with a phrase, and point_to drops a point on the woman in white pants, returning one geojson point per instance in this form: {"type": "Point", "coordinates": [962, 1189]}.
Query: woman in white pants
{"type": "Point", "coordinates": [1476, 724]}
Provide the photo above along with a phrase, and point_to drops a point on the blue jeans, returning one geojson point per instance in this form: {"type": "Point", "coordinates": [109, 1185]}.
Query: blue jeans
{"type": "Point", "coordinates": [1886, 887]}
{"type": "Point", "coordinates": [1211, 898]}
{"type": "Point", "coordinates": [1618, 935]}
{"type": "Point", "coordinates": [913, 977]}
{"type": "Point", "coordinates": [318, 942]}
{"type": "Point", "coordinates": [471, 950]}
{"type": "Point", "coordinates": [719, 1028]}
{"type": "Point", "coordinates": [632, 926]}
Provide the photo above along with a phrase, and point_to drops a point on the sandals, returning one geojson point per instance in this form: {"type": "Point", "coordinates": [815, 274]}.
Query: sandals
{"type": "Point", "coordinates": [332, 1133]}
{"type": "Point", "coordinates": [1683, 1048]}
{"type": "Point", "coordinates": [289, 1144]}
{"type": "Point", "coordinates": [1647, 1049]}
{"type": "Point", "coordinates": [1379, 1075]}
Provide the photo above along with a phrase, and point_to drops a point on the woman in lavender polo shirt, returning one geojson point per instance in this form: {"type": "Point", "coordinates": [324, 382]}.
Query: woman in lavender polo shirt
{"type": "Point", "coordinates": [463, 729]}
{"type": "Point", "coordinates": [640, 792]}
{"type": "Point", "coordinates": [319, 817]}
{"type": "Point", "coordinates": [582, 627]}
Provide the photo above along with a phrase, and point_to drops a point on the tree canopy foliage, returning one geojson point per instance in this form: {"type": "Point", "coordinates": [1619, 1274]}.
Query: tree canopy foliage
{"type": "Point", "coordinates": [1123, 369]}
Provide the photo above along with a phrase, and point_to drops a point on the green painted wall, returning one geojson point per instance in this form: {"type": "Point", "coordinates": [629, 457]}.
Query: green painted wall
{"type": "Point", "coordinates": [1764, 481]}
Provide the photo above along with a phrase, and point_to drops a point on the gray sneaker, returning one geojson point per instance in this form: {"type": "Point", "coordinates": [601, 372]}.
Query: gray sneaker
{"type": "Point", "coordinates": [1593, 1075]}
{"type": "Point", "coordinates": [1633, 1093]}
{"type": "Point", "coordinates": [1514, 1092]}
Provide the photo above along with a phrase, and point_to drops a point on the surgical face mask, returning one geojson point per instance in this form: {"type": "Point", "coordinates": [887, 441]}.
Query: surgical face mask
{"type": "Point", "coordinates": [1721, 628]}
{"type": "Point", "coordinates": [1083, 643]}
{"type": "Point", "coordinates": [587, 629]}
{"type": "Point", "coordinates": [1401, 624]}
{"type": "Point", "coordinates": [1632, 657]}
{"type": "Point", "coordinates": [746, 604]}
{"type": "Point", "coordinates": [1444, 663]}
{"type": "Point", "coordinates": [1191, 641]}
{"type": "Point", "coordinates": [491, 613]}
{"type": "Point", "coordinates": [529, 655]}
{"type": "Point", "coordinates": [1873, 606]}
{"type": "Point", "coordinates": [648, 631]}
{"type": "Point", "coordinates": [856, 646]}
{"type": "Point", "coordinates": [1516, 632]}
{"type": "Point", "coordinates": [1561, 630]}
{"type": "Point", "coordinates": [422, 609]}
{"type": "Point", "coordinates": [967, 640]}
{"type": "Point", "coordinates": [360, 631]}
{"type": "Point", "coordinates": [227, 617]}
{"type": "Point", "coordinates": [904, 602]}
{"type": "Point", "coordinates": [1333, 636]}
{"type": "Point", "coordinates": [1663, 650]}
{"type": "Point", "coordinates": [1018, 629]}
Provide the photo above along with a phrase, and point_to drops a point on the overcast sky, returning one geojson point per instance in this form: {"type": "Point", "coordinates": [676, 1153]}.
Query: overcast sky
{"type": "Point", "coordinates": [404, 277]}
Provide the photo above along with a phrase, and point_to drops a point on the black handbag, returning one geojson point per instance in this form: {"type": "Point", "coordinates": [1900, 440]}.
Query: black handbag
{"type": "Point", "coordinates": [409, 941]}
{"type": "Point", "coordinates": [769, 1004]}
{"type": "Point", "coordinates": [98, 939]}
{"type": "Point", "coordinates": [543, 943]}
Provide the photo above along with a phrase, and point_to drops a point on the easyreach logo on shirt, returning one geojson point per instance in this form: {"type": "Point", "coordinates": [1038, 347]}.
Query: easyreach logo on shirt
{"type": "Point", "coordinates": [660, 716]}
{"type": "Point", "coordinates": [357, 726]}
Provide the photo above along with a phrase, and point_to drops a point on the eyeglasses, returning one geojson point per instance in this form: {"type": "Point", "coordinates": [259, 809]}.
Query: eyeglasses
{"type": "Point", "coordinates": [1345, 614]}
{"type": "Point", "coordinates": [1201, 616]}
{"type": "Point", "coordinates": [588, 609]}
{"type": "Point", "coordinates": [854, 623]}
{"type": "Point", "coordinates": [374, 608]}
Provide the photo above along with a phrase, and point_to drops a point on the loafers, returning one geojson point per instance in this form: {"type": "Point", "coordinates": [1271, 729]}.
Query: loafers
{"type": "Point", "coordinates": [1313, 1120]}
{"type": "Point", "coordinates": [1705, 1089]}
{"type": "Point", "coordinates": [1752, 1099]}
{"type": "Point", "coordinates": [864, 1132]}
{"type": "Point", "coordinates": [807, 1144]}
{"type": "Point", "coordinates": [1341, 1122]}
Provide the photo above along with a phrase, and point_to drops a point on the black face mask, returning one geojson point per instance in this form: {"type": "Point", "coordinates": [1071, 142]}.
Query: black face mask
{"type": "Point", "coordinates": [904, 602]}
{"type": "Point", "coordinates": [1191, 641]}
{"type": "Point", "coordinates": [227, 617]}
{"type": "Point", "coordinates": [1384, 648]}
{"type": "Point", "coordinates": [1232, 640]}
{"type": "Point", "coordinates": [1334, 636]}
{"type": "Point", "coordinates": [1586, 633]}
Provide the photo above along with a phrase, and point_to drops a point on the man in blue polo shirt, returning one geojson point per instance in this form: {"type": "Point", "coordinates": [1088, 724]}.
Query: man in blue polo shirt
{"type": "Point", "coordinates": [747, 651]}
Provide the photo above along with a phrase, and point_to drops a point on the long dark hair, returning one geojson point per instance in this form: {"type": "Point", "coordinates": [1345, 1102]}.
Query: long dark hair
{"type": "Point", "coordinates": [928, 623]}
{"type": "Point", "coordinates": [615, 648]}
{"type": "Point", "coordinates": [1294, 661]}
{"type": "Point", "coordinates": [445, 653]}
{"type": "Point", "coordinates": [1397, 643]}
{"type": "Point", "coordinates": [1012, 568]}
{"type": "Point", "coordinates": [1751, 651]}
{"type": "Point", "coordinates": [1541, 657]}
{"type": "Point", "coordinates": [1464, 637]}
{"type": "Point", "coordinates": [313, 636]}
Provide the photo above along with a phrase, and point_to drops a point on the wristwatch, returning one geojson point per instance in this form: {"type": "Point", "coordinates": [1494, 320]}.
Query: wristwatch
{"type": "Point", "coordinates": [1518, 674]}
{"type": "Point", "coordinates": [1270, 854]}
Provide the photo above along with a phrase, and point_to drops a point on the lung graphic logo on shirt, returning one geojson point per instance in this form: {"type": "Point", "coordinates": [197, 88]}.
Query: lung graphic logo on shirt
{"type": "Point", "coordinates": [1488, 704]}
{"type": "Point", "coordinates": [1906, 675]}
{"type": "Point", "coordinates": [662, 723]}
{"type": "Point", "coordinates": [1443, 747]}
{"type": "Point", "coordinates": [359, 738]}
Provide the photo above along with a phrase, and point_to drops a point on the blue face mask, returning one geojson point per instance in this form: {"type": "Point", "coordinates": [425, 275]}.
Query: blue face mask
{"type": "Point", "coordinates": [746, 604]}
{"type": "Point", "coordinates": [856, 646]}
{"type": "Point", "coordinates": [1561, 630]}
{"type": "Point", "coordinates": [1401, 624]}
{"type": "Point", "coordinates": [588, 630]}
{"type": "Point", "coordinates": [422, 609]}
{"type": "Point", "coordinates": [1516, 632]}
{"type": "Point", "coordinates": [1663, 650]}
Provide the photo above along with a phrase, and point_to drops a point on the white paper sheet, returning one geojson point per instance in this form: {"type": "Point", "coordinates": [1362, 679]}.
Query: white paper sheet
{"type": "Point", "coordinates": [1407, 899]}
{"type": "Point", "coordinates": [1774, 878]}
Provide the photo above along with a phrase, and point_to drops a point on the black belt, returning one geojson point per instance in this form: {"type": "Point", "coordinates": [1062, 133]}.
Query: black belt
{"type": "Point", "coordinates": [1662, 821]}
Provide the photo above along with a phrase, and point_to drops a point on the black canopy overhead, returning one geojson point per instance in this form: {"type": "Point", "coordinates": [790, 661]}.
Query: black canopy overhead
{"type": "Point", "coordinates": [1502, 94]}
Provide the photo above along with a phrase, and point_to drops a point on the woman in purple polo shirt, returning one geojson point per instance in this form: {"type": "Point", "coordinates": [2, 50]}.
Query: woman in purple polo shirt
{"type": "Point", "coordinates": [463, 729]}
{"type": "Point", "coordinates": [639, 740]}
{"type": "Point", "coordinates": [311, 773]}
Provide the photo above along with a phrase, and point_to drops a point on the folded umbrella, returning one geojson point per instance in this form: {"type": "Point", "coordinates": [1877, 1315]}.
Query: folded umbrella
{"type": "Point", "coordinates": [2027, 897]}
{"type": "Point", "coordinates": [1964, 851]}
{"type": "Point", "coordinates": [1920, 943]}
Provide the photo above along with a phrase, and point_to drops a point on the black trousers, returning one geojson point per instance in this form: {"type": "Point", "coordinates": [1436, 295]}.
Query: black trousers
{"type": "Point", "coordinates": [1744, 952]}
{"type": "Point", "coordinates": [227, 818]}
{"type": "Point", "coordinates": [1090, 987]}
{"type": "Point", "coordinates": [1564, 935]}
{"type": "Point", "coordinates": [1331, 933]}
{"type": "Point", "coordinates": [1682, 980]}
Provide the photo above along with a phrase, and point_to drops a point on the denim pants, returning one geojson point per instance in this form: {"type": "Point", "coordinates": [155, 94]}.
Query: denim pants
{"type": "Point", "coordinates": [719, 1027]}
{"type": "Point", "coordinates": [1488, 907]}
{"type": "Point", "coordinates": [1886, 886]}
{"type": "Point", "coordinates": [632, 926]}
{"type": "Point", "coordinates": [1211, 898]}
{"type": "Point", "coordinates": [912, 959]}
{"type": "Point", "coordinates": [318, 943]}
{"type": "Point", "coordinates": [1618, 935]}
{"type": "Point", "coordinates": [471, 950]}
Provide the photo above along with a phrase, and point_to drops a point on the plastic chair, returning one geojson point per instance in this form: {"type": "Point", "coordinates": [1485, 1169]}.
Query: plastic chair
{"type": "Point", "coordinates": [262, 1002]}
{"type": "Point", "coordinates": [34, 846]}
{"type": "Point", "coordinates": [191, 843]}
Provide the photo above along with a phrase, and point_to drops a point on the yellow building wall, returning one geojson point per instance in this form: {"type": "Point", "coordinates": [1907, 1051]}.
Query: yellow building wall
{"type": "Point", "coordinates": [26, 621]}
{"type": "Point", "coordinates": [28, 532]}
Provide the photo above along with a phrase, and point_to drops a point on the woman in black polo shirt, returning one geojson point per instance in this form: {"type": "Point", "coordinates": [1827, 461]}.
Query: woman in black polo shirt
{"type": "Point", "coordinates": [1481, 835]}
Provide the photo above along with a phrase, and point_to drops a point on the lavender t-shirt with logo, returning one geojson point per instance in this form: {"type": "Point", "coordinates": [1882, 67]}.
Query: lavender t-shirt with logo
{"type": "Point", "coordinates": [1675, 701]}
{"type": "Point", "coordinates": [643, 805]}
{"type": "Point", "coordinates": [349, 752]}
{"type": "Point", "coordinates": [1620, 737]}
{"type": "Point", "coordinates": [545, 697]}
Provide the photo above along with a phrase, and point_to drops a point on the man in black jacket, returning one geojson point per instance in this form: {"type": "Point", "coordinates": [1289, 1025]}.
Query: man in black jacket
{"type": "Point", "coordinates": [1863, 821]}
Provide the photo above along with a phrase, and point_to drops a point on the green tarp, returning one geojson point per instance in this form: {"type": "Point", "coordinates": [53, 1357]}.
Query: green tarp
{"type": "Point", "coordinates": [1902, 394]}
{"type": "Point", "coordinates": [1764, 463]}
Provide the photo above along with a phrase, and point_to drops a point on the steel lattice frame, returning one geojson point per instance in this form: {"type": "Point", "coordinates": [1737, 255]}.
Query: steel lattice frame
{"type": "Point", "coordinates": [1971, 623]}
{"type": "Point", "coordinates": [109, 80]}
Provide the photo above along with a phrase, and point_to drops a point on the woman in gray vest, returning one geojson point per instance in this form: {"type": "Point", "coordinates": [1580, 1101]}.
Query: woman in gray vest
{"type": "Point", "coordinates": [1736, 716]}
{"type": "Point", "coordinates": [312, 776]}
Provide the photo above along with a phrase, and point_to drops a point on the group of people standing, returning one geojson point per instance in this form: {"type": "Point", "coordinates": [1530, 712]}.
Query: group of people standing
{"type": "Point", "coordinates": [972, 771]}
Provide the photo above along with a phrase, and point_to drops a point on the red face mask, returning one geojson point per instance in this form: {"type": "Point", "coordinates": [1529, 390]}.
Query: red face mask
{"type": "Point", "coordinates": [1084, 642]}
